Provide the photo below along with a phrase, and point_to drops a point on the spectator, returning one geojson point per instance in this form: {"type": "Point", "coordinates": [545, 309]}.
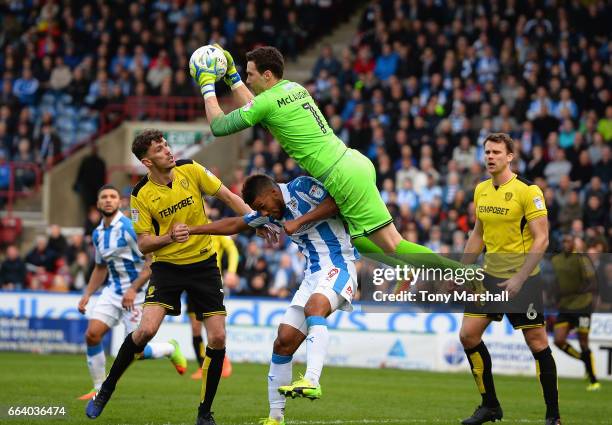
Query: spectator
{"type": "Point", "coordinates": [5, 173]}
{"type": "Point", "coordinates": [12, 270]}
{"type": "Point", "coordinates": [594, 213]}
{"type": "Point", "coordinates": [567, 134]}
{"type": "Point", "coordinates": [604, 126]}
{"type": "Point", "coordinates": [464, 154]}
{"type": "Point", "coordinates": [406, 196]}
{"type": "Point", "coordinates": [408, 171]}
{"type": "Point", "coordinates": [284, 278]}
{"type": "Point", "coordinates": [582, 172]}
{"type": "Point", "coordinates": [80, 271]}
{"type": "Point", "coordinates": [569, 212]}
{"type": "Point", "coordinates": [61, 76]}
{"type": "Point", "coordinates": [25, 88]}
{"type": "Point", "coordinates": [386, 63]}
{"type": "Point", "coordinates": [42, 256]}
{"type": "Point", "coordinates": [77, 244]}
{"type": "Point", "coordinates": [57, 242]}
{"type": "Point", "coordinates": [49, 146]}
{"type": "Point", "coordinates": [25, 177]}
{"type": "Point", "coordinates": [326, 61]}
{"type": "Point", "coordinates": [431, 191]}
{"type": "Point", "coordinates": [603, 167]}
{"type": "Point", "coordinates": [554, 170]}
{"type": "Point", "coordinates": [159, 70]}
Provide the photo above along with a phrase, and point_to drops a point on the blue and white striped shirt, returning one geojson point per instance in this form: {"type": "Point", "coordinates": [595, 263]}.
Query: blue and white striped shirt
{"type": "Point", "coordinates": [326, 243]}
{"type": "Point", "coordinates": [116, 247]}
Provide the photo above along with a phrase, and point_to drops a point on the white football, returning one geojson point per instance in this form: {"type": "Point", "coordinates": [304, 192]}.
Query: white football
{"type": "Point", "coordinates": [205, 57]}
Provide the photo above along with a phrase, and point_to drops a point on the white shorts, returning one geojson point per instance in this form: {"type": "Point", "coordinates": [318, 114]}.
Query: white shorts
{"type": "Point", "coordinates": [338, 286]}
{"type": "Point", "coordinates": [109, 310]}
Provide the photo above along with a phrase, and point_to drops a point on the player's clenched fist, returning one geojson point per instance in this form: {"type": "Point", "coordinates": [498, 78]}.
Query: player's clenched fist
{"type": "Point", "coordinates": [179, 233]}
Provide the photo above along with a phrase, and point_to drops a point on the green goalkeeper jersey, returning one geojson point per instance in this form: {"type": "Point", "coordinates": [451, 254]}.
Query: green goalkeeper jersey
{"type": "Point", "coordinates": [288, 111]}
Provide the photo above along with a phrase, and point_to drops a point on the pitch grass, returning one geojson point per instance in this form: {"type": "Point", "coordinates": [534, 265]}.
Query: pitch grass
{"type": "Point", "coordinates": [151, 392]}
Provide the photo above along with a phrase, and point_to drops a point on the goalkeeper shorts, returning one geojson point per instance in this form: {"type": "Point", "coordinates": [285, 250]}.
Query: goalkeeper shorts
{"type": "Point", "coordinates": [352, 183]}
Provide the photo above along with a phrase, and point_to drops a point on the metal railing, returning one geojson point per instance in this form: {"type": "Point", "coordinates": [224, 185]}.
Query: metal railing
{"type": "Point", "coordinates": [15, 190]}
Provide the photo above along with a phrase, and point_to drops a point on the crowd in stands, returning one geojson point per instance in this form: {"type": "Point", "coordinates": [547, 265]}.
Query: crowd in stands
{"type": "Point", "coordinates": [424, 82]}
{"type": "Point", "coordinates": [62, 62]}
{"type": "Point", "coordinates": [418, 89]}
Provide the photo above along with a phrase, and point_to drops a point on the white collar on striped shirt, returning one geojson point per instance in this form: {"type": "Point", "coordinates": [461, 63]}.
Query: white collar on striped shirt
{"type": "Point", "coordinates": [115, 220]}
{"type": "Point", "coordinates": [285, 192]}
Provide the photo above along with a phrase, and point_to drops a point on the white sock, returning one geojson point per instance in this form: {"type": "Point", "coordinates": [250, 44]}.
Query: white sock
{"type": "Point", "coordinates": [96, 362]}
{"type": "Point", "coordinates": [158, 349]}
{"type": "Point", "coordinates": [280, 374]}
{"type": "Point", "coordinates": [316, 348]}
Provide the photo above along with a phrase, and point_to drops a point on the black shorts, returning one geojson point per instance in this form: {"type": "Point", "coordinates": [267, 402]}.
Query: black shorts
{"type": "Point", "coordinates": [579, 320]}
{"type": "Point", "coordinates": [191, 309]}
{"type": "Point", "coordinates": [524, 311]}
{"type": "Point", "coordinates": [201, 281]}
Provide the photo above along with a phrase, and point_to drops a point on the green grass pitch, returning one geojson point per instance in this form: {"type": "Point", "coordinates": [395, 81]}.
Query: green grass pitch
{"type": "Point", "coordinates": [151, 392]}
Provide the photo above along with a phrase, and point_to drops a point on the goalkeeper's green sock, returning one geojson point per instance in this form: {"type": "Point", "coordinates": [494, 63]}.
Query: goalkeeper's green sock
{"type": "Point", "coordinates": [366, 246]}
{"type": "Point", "coordinates": [421, 255]}
{"type": "Point", "coordinates": [409, 254]}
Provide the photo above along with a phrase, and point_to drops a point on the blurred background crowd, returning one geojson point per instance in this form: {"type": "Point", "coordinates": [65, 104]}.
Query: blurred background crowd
{"type": "Point", "coordinates": [417, 90]}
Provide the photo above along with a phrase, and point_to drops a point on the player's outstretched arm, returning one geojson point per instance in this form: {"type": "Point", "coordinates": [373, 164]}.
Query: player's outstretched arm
{"type": "Point", "coordinates": [148, 243]}
{"type": "Point", "coordinates": [326, 209]}
{"type": "Point", "coordinates": [98, 277]}
{"type": "Point", "coordinates": [225, 226]}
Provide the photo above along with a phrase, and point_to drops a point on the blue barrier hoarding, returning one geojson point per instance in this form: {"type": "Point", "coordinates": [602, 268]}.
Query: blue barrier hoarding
{"type": "Point", "coordinates": [45, 335]}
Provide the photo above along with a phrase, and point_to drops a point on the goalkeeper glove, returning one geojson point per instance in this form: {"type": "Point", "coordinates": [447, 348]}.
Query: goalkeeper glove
{"type": "Point", "coordinates": [205, 77]}
{"type": "Point", "coordinates": [232, 77]}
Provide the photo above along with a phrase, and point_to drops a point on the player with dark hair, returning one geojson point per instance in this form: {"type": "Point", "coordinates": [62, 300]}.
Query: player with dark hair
{"type": "Point", "coordinates": [512, 224]}
{"type": "Point", "coordinates": [309, 215]}
{"type": "Point", "coordinates": [289, 112]}
{"type": "Point", "coordinates": [164, 204]}
{"type": "Point", "coordinates": [116, 251]}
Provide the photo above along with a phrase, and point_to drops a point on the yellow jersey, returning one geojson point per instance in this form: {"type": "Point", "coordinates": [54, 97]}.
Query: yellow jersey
{"type": "Point", "coordinates": [225, 245]}
{"type": "Point", "coordinates": [156, 208]}
{"type": "Point", "coordinates": [574, 273]}
{"type": "Point", "coordinates": [504, 212]}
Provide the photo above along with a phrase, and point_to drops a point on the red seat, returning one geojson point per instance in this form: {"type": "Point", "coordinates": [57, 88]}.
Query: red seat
{"type": "Point", "coordinates": [10, 230]}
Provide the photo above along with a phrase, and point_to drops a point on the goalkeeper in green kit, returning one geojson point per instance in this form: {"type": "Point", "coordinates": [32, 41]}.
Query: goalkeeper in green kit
{"type": "Point", "coordinates": [287, 110]}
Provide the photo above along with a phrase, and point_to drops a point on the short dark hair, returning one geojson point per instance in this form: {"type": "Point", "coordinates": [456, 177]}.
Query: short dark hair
{"type": "Point", "coordinates": [267, 58]}
{"type": "Point", "coordinates": [143, 141]}
{"type": "Point", "coordinates": [501, 138]}
{"type": "Point", "coordinates": [108, 186]}
{"type": "Point", "coordinates": [254, 185]}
